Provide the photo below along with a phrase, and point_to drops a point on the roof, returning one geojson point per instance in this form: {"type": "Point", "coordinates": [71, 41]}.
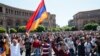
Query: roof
{"type": "Point", "coordinates": [90, 13]}
{"type": "Point", "coordinates": [14, 7]}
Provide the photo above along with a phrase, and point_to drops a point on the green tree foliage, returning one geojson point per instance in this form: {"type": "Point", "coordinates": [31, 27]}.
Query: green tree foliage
{"type": "Point", "coordinates": [21, 29]}
{"type": "Point", "coordinates": [2, 30]}
{"type": "Point", "coordinates": [12, 30]}
{"type": "Point", "coordinates": [91, 26]}
{"type": "Point", "coordinates": [73, 28]}
{"type": "Point", "coordinates": [56, 29]}
{"type": "Point", "coordinates": [40, 28]}
{"type": "Point", "coordinates": [66, 28]}
{"type": "Point", "coordinates": [69, 28]}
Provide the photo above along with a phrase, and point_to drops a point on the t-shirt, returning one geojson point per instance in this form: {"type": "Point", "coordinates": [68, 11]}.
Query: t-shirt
{"type": "Point", "coordinates": [27, 43]}
{"type": "Point", "coordinates": [46, 48]}
{"type": "Point", "coordinates": [36, 44]}
{"type": "Point", "coordinates": [88, 46]}
{"type": "Point", "coordinates": [15, 50]}
{"type": "Point", "coordinates": [81, 49]}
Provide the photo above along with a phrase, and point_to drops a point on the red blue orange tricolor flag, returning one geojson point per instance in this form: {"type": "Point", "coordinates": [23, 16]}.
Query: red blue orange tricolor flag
{"type": "Point", "coordinates": [38, 16]}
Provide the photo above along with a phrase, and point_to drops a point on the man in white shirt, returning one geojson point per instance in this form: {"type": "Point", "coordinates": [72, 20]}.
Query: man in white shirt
{"type": "Point", "coordinates": [88, 47]}
{"type": "Point", "coordinates": [15, 48]}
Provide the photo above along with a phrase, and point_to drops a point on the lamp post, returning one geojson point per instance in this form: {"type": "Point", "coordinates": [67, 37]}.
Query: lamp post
{"type": "Point", "coordinates": [8, 29]}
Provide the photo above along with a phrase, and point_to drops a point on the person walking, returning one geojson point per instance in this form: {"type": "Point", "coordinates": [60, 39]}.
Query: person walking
{"type": "Point", "coordinates": [45, 48]}
{"type": "Point", "coordinates": [36, 46]}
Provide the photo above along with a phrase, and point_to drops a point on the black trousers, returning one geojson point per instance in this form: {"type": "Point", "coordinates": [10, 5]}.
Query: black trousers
{"type": "Point", "coordinates": [28, 52]}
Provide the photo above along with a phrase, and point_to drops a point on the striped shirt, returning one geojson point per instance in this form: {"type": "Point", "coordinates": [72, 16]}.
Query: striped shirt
{"type": "Point", "coordinates": [46, 48]}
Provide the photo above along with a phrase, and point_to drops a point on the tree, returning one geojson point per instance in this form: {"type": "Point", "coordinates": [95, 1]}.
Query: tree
{"type": "Point", "coordinates": [56, 29]}
{"type": "Point", "coordinates": [2, 30]}
{"type": "Point", "coordinates": [12, 30]}
{"type": "Point", "coordinates": [91, 26]}
{"type": "Point", "coordinates": [21, 29]}
{"type": "Point", "coordinates": [40, 28]}
{"type": "Point", "coordinates": [66, 28]}
{"type": "Point", "coordinates": [69, 28]}
{"type": "Point", "coordinates": [73, 28]}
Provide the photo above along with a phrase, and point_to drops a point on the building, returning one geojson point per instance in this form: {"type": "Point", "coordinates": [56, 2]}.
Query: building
{"type": "Point", "coordinates": [71, 23]}
{"type": "Point", "coordinates": [13, 17]}
{"type": "Point", "coordinates": [82, 18]}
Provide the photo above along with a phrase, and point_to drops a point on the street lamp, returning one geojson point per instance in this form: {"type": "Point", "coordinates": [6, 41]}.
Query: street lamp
{"type": "Point", "coordinates": [8, 29]}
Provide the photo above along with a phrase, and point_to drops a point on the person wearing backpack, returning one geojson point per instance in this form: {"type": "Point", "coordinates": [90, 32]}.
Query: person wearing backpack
{"type": "Point", "coordinates": [36, 46]}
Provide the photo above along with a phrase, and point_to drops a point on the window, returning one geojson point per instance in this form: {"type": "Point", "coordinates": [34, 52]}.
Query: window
{"type": "Point", "coordinates": [19, 13]}
{"type": "Point", "coordinates": [6, 10]}
{"type": "Point", "coordinates": [26, 14]}
{"type": "Point", "coordinates": [11, 11]}
{"type": "Point", "coordinates": [0, 9]}
{"type": "Point", "coordinates": [9, 22]}
{"type": "Point", "coordinates": [23, 13]}
{"type": "Point", "coordinates": [15, 12]}
{"type": "Point", "coordinates": [30, 14]}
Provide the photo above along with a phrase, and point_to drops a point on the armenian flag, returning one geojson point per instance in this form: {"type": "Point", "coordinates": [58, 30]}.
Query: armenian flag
{"type": "Point", "coordinates": [38, 17]}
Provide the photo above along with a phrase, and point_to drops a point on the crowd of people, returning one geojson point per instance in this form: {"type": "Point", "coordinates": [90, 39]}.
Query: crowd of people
{"type": "Point", "coordinates": [51, 44]}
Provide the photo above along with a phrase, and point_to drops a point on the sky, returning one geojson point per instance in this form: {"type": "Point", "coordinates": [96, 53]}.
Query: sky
{"type": "Point", "coordinates": [63, 9]}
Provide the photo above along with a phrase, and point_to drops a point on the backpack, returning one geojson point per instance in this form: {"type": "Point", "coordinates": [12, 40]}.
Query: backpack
{"type": "Point", "coordinates": [1, 50]}
{"type": "Point", "coordinates": [92, 45]}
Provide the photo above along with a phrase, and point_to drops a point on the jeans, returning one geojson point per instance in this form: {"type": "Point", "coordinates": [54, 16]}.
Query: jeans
{"type": "Point", "coordinates": [37, 52]}
{"type": "Point", "coordinates": [87, 53]}
{"type": "Point", "coordinates": [98, 54]}
{"type": "Point", "coordinates": [72, 52]}
{"type": "Point", "coordinates": [28, 52]}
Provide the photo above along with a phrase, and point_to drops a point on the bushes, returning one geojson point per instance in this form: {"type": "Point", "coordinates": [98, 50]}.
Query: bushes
{"type": "Point", "coordinates": [91, 26]}
{"type": "Point", "coordinates": [40, 28]}
{"type": "Point", "coordinates": [21, 29]}
{"type": "Point", "coordinates": [2, 30]}
{"type": "Point", "coordinates": [69, 28]}
{"type": "Point", "coordinates": [12, 30]}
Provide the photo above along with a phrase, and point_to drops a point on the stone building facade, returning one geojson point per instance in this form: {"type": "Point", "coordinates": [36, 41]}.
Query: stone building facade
{"type": "Point", "coordinates": [82, 18]}
{"type": "Point", "coordinates": [71, 22]}
{"type": "Point", "coordinates": [13, 17]}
